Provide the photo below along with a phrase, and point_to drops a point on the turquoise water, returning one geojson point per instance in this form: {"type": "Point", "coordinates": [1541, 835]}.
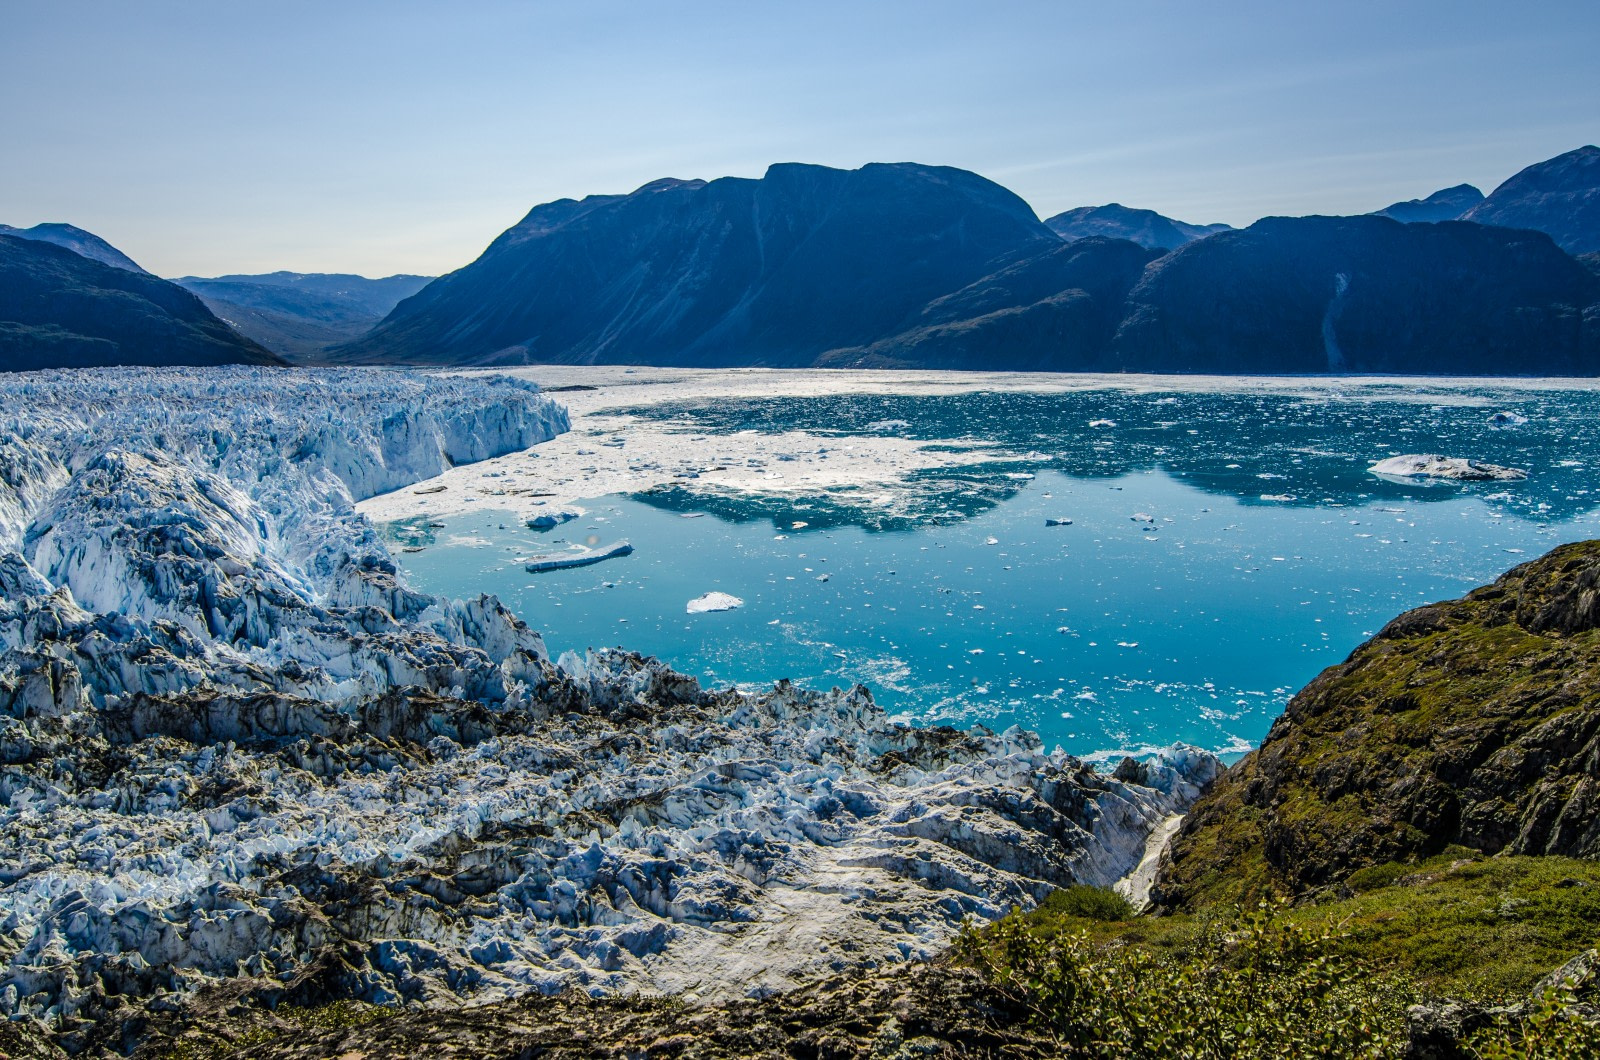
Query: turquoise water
{"type": "Point", "coordinates": [1195, 621]}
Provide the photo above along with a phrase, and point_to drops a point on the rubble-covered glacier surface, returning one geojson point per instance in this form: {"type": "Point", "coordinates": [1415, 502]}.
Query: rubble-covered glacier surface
{"type": "Point", "coordinates": [235, 745]}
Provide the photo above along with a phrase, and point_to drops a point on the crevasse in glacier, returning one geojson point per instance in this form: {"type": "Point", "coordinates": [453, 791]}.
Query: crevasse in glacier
{"type": "Point", "coordinates": [234, 744]}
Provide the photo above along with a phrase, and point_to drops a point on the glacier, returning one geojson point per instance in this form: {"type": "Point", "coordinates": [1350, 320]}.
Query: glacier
{"type": "Point", "coordinates": [235, 746]}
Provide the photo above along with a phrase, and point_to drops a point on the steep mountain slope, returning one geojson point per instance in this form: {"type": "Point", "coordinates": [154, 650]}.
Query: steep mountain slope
{"type": "Point", "coordinates": [299, 314]}
{"type": "Point", "coordinates": [1445, 205]}
{"type": "Point", "coordinates": [1052, 310]}
{"type": "Point", "coordinates": [60, 309]}
{"type": "Point", "coordinates": [1115, 221]}
{"type": "Point", "coordinates": [76, 240]}
{"type": "Point", "coordinates": [1364, 294]}
{"type": "Point", "coordinates": [1560, 196]}
{"type": "Point", "coordinates": [1474, 722]}
{"type": "Point", "coordinates": [774, 271]}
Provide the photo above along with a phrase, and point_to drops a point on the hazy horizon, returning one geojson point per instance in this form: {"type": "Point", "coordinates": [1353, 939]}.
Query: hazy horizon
{"type": "Point", "coordinates": [401, 138]}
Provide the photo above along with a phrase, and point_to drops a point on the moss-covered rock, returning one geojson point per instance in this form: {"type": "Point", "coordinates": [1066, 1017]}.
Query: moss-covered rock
{"type": "Point", "coordinates": [1474, 723]}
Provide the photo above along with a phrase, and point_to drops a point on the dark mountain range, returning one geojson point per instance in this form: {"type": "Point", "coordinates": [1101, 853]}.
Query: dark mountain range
{"type": "Point", "coordinates": [774, 271]}
{"type": "Point", "coordinates": [1445, 205]}
{"type": "Point", "coordinates": [300, 314]}
{"type": "Point", "coordinates": [60, 309]}
{"type": "Point", "coordinates": [1055, 309]}
{"type": "Point", "coordinates": [1115, 221]}
{"type": "Point", "coordinates": [1364, 294]}
{"type": "Point", "coordinates": [1560, 196]}
{"type": "Point", "coordinates": [919, 266]}
{"type": "Point", "coordinates": [76, 240]}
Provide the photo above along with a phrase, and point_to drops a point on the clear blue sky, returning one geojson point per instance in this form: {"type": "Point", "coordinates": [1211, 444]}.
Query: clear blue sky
{"type": "Point", "coordinates": [394, 136]}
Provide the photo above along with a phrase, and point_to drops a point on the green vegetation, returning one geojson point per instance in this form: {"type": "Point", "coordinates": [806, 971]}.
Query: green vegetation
{"type": "Point", "coordinates": [1331, 979]}
{"type": "Point", "coordinates": [1083, 902]}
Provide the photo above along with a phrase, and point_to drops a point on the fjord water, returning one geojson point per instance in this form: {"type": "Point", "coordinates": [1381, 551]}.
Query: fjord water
{"type": "Point", "coordinates": [1222, 550]}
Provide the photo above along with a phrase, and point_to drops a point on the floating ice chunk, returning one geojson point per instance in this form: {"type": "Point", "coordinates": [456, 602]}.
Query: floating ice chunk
{"type": "Point", "coordinates": [1049, 521]}
{"type": "Point", "coordinates": [549, 561]}
{"type": "Point", "coordinates": [1020, 476]}
{"type": "Point", "coordinates": [548, 520]}
{"type": "Point", "coordinates": [1142, 517]}
{"type": "Point", "coordinates": [714, 602]}
{"type": "Point", "coordinates": [1508, 419]}
{"type": "Point", "coordinates": [1102, 423]}
{"type": "Point", "coordinates": [1431, 465]}
{"type": "Point", "coordinates": [888, 425]}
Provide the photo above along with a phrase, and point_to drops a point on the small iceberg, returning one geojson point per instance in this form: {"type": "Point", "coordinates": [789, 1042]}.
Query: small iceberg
{"type": "Point", "coordinates": [549, 520]}
{"type": "Point", "coordinates": [1057, 522]}
{"type": "Point", "coordinates": [714, 602]}
{"type": "Point", "coordinates": [548, 561]}
{"type": "Point", "coordinates": [1430, 465]}
{"type": "Point", "coordinates": [1508, 419]}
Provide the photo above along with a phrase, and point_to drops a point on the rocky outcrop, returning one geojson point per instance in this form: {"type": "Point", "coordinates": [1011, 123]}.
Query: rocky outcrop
{"type": "Point", "coordinates": [1474, 722]}
{"type": "Point", "coordinates": [1560, 197]}
{"type": "Point", "coordinates": [1440, 1030]}
{"type": "Point", "coordinates": [60, 309]}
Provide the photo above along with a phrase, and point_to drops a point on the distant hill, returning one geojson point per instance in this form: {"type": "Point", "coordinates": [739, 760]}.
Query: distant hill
{"type": "Point", "coordinates": [1446, 205]}
{"type": "Point", "coordinates": [1115, 221]}
{"type": "Point", "coordinates": [61, 309]}
{"type": "Point", "coordinates": [734, 271]}
{"type": "Point", "coordinates": [1364, 294]}
{"type": "Point", "coordinates": [76, 240]}
{"type": "Point", "coordinates": [1560, 196]}
{"type": "Point", "coordinates": [301, 314]}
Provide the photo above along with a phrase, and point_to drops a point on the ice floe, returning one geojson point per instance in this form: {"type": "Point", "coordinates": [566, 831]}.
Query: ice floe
{"type": "Point", "coordinates": [1433, 466]}
{"type": "Point", "coordinates": [715, 601]}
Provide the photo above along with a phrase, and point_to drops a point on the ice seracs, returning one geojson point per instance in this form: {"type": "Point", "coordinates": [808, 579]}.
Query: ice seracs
{"type": "Point", "coordinates": [235, 744]}
{"type": "Point", "coordinates": [1434, 466]}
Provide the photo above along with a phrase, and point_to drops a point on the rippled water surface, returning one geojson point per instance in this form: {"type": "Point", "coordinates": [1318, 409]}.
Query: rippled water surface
{"type": "Point", "coordinates": [1223, 548]}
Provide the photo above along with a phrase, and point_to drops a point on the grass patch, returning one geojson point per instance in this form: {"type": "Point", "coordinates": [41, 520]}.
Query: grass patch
{"type": "Point", "coordinates": [1458, 926]}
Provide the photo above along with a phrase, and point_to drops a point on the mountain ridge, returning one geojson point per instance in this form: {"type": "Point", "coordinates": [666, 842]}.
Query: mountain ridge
{"type": "Point", "coordinates": [61, 309]}
{"type": "Point", "coordinates": [1559, 196]}
{"type": "Point", "coordinates": [1147, 228]}
{"type": "Point", "coordinates": [75, 239]}
{"type": "Point", "coordinates": [768, 271]}
{"type": "Point", "coordinates": [301, 314]}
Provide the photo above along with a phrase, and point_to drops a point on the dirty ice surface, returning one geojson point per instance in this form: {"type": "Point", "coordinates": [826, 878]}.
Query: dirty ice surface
{"type": "Point", "coordinates": [1224, 544]}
